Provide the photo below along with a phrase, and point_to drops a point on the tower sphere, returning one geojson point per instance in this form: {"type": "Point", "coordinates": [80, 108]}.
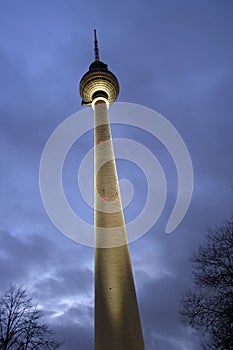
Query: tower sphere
{"type": "Point", "coordinates": [98, 81]}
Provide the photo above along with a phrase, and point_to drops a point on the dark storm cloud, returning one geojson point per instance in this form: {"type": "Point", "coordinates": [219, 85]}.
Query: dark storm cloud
{"type": "Point", "coordinates": [22, 257]}
{"type": "Point", "coordinates": [171, 56]}
{"type": "Point", "coordinates": [39, 256]}
{"type": "Point", "coordinates": [64, 283]}
{"type": "Point", "coordinates": [75, 336]}
{"type": "Point", "coordinates": [163, 321]}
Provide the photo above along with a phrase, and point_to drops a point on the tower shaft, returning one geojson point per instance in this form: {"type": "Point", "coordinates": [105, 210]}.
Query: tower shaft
{"type": "Point", "coordinates": [117, 320]}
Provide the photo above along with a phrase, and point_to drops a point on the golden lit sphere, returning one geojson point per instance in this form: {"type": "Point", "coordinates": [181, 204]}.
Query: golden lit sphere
{"type": "Point", "coordinates": [98, 81]}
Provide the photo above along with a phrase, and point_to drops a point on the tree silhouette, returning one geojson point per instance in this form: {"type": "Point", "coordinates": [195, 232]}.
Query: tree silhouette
{"type": "Point", "coordinates": [21, 327]}
{"type": "Point", "coordinates": [208, 308]}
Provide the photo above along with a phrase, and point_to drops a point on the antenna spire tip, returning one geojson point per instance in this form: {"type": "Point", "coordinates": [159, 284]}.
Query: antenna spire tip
{"type": "Point", "coordinates": [96, 48]}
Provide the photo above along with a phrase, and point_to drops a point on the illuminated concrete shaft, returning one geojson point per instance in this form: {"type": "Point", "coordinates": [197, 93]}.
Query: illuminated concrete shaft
{"type": "Point", "coordinates": [117, 320]}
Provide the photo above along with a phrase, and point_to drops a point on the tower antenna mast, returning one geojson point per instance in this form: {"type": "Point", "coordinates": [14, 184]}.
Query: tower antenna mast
{"type": "Point", "coordinates": [96, 47]}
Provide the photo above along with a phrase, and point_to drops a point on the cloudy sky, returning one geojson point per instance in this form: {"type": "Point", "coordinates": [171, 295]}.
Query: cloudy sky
{"type": "Point", "coordinates": [172, 56]}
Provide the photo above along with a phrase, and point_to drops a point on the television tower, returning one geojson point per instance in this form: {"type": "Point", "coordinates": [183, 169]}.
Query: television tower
{"type": "Point", "coordinates": [117, 319]}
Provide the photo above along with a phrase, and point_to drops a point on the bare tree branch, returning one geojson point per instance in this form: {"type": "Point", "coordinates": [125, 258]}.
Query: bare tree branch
{"type": "Point", "coordinates": [208, 308]}
{"type": "Point", "coordinates": [21, 327]}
